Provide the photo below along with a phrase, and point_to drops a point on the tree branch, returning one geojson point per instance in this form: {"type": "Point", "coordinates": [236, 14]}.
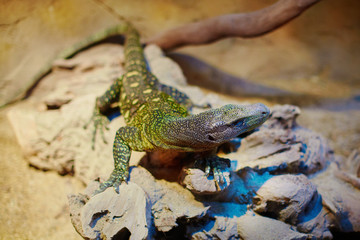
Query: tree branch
{"type": "Point", "coordinates": [244, 25]}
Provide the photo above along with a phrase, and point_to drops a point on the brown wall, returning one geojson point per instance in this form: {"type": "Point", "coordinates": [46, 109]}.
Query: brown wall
{"type": "Point", "coordinates": [324, 42]}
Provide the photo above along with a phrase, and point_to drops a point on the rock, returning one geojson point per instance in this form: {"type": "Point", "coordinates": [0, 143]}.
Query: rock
{"type": "Point", "coordinates": [56, 139]}
{"type": "Point", "coordinates": [170, 201]}
{"type": "Point", "coordinates": [243, 186]}
{"type": "Point", "coordinates": [76, 202]}
{"type": "Point", "coordinates": [340, 128]}
{"type": "Point", "coordinates": [317, 222]}
{"type": "Point", "coordinates": [109, 213]}
{"type": "Point", "coordinates": [221, 228]}
{"type": "Point", "coordinates": [285, 197]}
{"type": "Point", "coordinates": [250, 226]}
{"type": "Point", "coordinates": [103, 217]}
{"type": "Point", "coordinates": [196, 181]}
{"type": "Point", "coordinates": [281, 146]}
{"type": "Point", "coordinates": [349, 170]}
{"type": "Point", "coordinates": [293, 199]}
{"type": "Point", "coordinates": [340, 198]}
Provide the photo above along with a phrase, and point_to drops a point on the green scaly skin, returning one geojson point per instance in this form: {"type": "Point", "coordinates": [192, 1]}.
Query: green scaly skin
{"type": "Point", "coordinates": [158, 118]}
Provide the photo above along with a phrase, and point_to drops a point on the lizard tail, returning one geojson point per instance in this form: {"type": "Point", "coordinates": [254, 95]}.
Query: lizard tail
{"type": "Point", "coordinates": [119, 29]}
{"type": "Point", "coordinates": [95, 38]}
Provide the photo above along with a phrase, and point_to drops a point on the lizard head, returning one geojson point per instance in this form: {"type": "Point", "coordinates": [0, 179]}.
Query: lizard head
{"type": "Point", "coordinates": [211, 128]}
{"type": "Point", "coordinates": [231, 120]}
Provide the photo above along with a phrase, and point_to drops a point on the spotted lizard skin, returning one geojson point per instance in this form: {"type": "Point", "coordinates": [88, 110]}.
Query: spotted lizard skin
{"type": "Point", "coordinates": [158, 117]}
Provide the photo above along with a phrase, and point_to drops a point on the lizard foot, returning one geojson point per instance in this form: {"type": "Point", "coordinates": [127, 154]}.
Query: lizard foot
{"type": "Point", "coordinates": [203, 106]}
{"type": "Point", "coordinates": [115, 180]}
{"type": "Point", "coordinates": [215, 166]}
{"type": "Point", "coordinates": [100, 123]}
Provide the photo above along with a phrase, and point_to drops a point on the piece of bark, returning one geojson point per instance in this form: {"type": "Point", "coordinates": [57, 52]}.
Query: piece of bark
{"type": "Point", "coordinates": [109, 214]}
{"type": "Point", "coordinates": [196, 181]}
{"type": "Point", "coordinates": [54, 139]}
{"type": "Point", "coordinates": [201, 74]}
{"type": "Point", "coordinates": [242, 188]}
{"type": "Point", "coordinates": [285, 197]}
{"type": "Point", "coordinates": [252, 226]}
{"type": "Point", "coordinates": [249, 226]}
{"type": "Point", "coordinates": [170, 201]}
{"type": "Point", "coordinates": [244, 25]}
{"type": "Point", "coordinates": [293, 199]}
{"type": "Point", "coordinates": [281, 146]}
{"type": "Point", "coordinates": [76, 203]}
{"type": "Point", "coordinates": [349, 169]}
{"type": "Point", "coordinates": [340, 198]}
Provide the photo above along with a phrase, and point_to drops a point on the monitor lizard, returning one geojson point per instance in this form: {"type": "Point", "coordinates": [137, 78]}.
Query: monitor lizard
{"type": "Point", "coordinates": [158, 117]}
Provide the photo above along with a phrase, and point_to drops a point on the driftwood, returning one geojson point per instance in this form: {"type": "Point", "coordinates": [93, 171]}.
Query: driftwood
{"type": "Point", "coordinates": [284, 182]}
{"type": "Point", "coordinates": [201, 74]}
{"type": "Point", "coordinates": [244, 25]}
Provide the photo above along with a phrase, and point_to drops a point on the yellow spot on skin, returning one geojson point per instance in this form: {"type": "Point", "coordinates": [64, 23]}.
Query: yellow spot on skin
{"type": "Point", "coordinates": [132, 73]}
{"type": "Point", "coordinates": [135, 101]}
{"type": "Point", "coordinates": [123, 96]}
{"type": "Point", "coordinates": [127, 114]}
{"type": "Point", "coordinates": [134, 62]}
{"type": "Point", "coordinates": [156, 99]}
{"type": "Point", "coordinates": [147, 91]}
{"type": "Point", "coordinates": [135, 84]}
{"type": "Point", "coordinates": [141, 107]}
{"type": "Point", "coordinates": [132, 48]}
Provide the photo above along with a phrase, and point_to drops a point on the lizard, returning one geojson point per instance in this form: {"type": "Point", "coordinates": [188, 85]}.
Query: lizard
{"type": "Point", "coordinates": [158, 117]}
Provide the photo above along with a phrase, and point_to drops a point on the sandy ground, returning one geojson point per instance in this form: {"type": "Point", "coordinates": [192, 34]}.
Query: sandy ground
{"type": "Point", "coordinates": [33, 203]}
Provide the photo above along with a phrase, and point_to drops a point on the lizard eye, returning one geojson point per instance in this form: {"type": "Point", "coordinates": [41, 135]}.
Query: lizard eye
{"type": "Point", "coordinates": [211, 138]}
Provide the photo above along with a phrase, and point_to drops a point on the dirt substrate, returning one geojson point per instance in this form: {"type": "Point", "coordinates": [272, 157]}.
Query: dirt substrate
{"type": "Point", "coordinates": [33, 203]}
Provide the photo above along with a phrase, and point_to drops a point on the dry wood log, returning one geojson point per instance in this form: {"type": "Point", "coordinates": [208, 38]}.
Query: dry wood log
{"type": "Point", "coordinates": [244, 25]}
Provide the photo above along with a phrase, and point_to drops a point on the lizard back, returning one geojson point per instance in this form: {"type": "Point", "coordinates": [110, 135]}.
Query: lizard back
{"type": "Point", "coordinates": [140, 86]}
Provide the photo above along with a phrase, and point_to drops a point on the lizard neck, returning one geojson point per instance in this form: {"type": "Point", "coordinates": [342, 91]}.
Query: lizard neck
{"type": "Point", "coordinates": [184, 133]}
{"type": "Point", "coordinates": [134, 55]}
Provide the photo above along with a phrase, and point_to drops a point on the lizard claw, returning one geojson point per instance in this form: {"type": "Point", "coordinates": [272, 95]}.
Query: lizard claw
{"type": "Point", "coordinates": [215, 166]}
{"type": "Point", "coordinates": [203, 106]}
{"type": "Point", "coordinates": [115, 180]}
{"type": "Point", "coordinates": [100, 123]}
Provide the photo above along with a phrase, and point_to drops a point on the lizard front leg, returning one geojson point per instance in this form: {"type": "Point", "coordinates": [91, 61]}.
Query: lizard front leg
{"type": "Point", "coordinates": [101, 105]}
{"type": "Point", "coordinates": [126, 139]}
{"type": "Point", "coordinates": [180, 97]}
{"type": "Point", "coordinates": [213, 165]}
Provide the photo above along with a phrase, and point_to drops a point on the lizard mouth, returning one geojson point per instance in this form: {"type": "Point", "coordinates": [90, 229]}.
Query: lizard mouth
{"type": "Point", "coordinates": [238, 123]}
{"type": "Point", "coordinates": [249, 123]}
